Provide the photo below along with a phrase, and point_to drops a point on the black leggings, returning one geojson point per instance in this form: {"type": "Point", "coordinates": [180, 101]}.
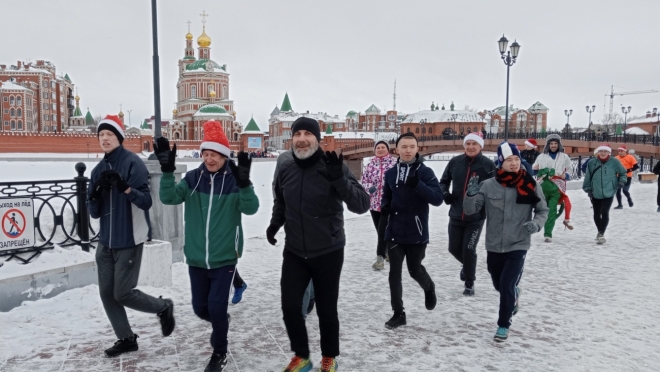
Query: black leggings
{"type": "Point", "coordinates": [602, 212]}
{"type": "Point", "coordinates": [625, 191]}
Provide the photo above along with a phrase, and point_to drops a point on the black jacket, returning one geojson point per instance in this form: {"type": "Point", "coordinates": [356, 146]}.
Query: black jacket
{"type": "Point", "coordinates": [459, 170]}
{"type": "Point", "coordinates": [310, 207]}
{"type": "Point", "coordinates": [530, 155]}
{"type": "Point", "coordinates": [408, 207]}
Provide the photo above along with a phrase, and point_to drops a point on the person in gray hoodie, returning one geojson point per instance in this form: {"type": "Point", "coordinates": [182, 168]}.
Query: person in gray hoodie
{"type": "Point", "coordinates": [515, 209]}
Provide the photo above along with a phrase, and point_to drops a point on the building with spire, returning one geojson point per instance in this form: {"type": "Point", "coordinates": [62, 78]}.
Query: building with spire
{"type": "Point", "coordinates": [202, 93]}
{"type": "Point", "coordinates": [281, 119]}
{"type": "Point", "coordinates": [373, 120]}
{"type": "Point", "coordinates": [49, 105]}
{"type": "Point", "coordinates": [77, 122]}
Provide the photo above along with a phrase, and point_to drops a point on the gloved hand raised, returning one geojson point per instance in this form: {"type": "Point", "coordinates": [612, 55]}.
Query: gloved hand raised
{"type": "Point", "coordinates": [270, 234]}
{"type": "Point", "coordinates": [532, 227]}
{"type": "Point", "coordinates": [116, 180]}
{"type": "Point", "coordinates": [101, 184]}
{"type": "Point", "coordinates": [333, 166]}
{"type": "Point", "coordinates": [242, 171]}
{"type": "Point", "coordinates": [473, 186]}
{"type": "Point", "coordinates": [165, 155]}
{"type": "Point", "coordinates": [413, 178]}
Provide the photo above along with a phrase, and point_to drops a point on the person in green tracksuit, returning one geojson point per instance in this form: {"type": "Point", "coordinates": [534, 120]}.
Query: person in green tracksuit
{"type": "Point", "coordinates": [216, 194]}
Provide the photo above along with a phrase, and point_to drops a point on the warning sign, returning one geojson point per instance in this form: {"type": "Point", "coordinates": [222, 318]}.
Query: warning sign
{"type": "Point", "coordinates": [17, 223]}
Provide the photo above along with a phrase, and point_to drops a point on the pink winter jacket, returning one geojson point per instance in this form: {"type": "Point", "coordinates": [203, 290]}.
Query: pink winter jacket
{"type": "Point", "coordinates": [373, 176]}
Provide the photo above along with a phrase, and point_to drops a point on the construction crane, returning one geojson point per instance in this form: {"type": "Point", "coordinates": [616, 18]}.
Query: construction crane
{"type": "Point", "coordinates": [612, 94]}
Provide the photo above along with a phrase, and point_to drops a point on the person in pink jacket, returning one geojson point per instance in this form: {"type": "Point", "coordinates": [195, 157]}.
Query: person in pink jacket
{"type": "Point", "coordinates": [372, 181]}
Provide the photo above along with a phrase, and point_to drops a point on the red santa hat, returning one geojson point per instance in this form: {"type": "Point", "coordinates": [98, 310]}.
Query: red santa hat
{"type": "Point", "coordinates": [215, 138]}
{"type": "Point", "coordinates": [531, 143]}
{"type": "Point", "coordinates": [623, 147]}
{"type": "Point", "coordinates": [112, 123]}
{"type": "Point", "coordinates": [603, 147]}
{"type": "Point", "coordinates": [476, 137]}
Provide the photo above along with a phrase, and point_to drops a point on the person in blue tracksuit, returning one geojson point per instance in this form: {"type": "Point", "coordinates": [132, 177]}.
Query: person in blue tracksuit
{"type": "Point", "coordinates": [119, 195]}
{"type": "Point", "coordinates": [409, 188]}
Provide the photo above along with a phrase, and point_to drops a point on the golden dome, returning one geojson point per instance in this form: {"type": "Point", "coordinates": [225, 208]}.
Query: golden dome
{"type": "Point", "coordinates": [212, 94]}
{"type": "Point", "coordinates": [77, 98]}
{"type": "Point", "coordinates": [204, 40]}
{"type": "Point", "coordinates": [121, 114]}
{"type": "Point", "coordinates": [189, 36]}
{"type": "Point", "coordinates": [174, 111]}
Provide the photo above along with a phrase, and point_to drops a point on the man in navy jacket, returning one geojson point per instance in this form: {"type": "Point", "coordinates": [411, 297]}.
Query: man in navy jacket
{"type": "Point", "coordinates": [408, 190]}
{"type": "Point", "coordinates": [119, 195]}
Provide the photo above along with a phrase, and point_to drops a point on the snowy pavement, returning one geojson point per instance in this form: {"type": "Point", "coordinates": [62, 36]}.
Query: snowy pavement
{"type": "Point", "coordinates": [584, 307]}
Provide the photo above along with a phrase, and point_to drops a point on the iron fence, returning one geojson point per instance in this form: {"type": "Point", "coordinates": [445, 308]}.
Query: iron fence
{"type": "Point", "coordinates": [60, 214]}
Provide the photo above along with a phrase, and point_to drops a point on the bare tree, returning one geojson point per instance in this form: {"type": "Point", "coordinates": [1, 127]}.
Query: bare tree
{"type": "Point", "coordinates": [471, 109]}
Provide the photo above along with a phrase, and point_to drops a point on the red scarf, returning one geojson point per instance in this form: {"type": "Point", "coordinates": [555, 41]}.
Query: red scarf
{"type": "Point", "coordinates": [523, 182]}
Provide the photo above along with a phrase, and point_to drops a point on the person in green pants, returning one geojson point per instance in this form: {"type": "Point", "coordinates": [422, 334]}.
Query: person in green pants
{"type": "Point", "coordinates": [552, 195]}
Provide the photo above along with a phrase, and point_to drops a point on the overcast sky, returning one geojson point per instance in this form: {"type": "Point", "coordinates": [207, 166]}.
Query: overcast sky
{"type": "Point", "coordinates": [341, 55]}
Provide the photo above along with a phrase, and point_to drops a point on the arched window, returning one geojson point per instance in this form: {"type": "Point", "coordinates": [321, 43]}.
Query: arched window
{"type": "Point", "coordinates": [416, 130]}
{"type": "Point", "coordinates": [210, 89]}
{"type": "Point", "coordinates": [11, 113]}
{"type": "Point", "coordinates": [13, 124]}
{"type": "Point", "coordinates": [11, 100]}
{"type": "Point", "coordinates": [224, 92]}
{"type": "Point", "coordinates": [193, 91]}
{"type": "Point", "coordinates": [430, 130]}
{"type": "Point", "coordinates": [177, 136]}
{"type": "Point", "coordinates": [20, 125]}
{"type": "Point", "coordinates": [235, 137]}
{"type": "Point", "coordinates": [19, 101]}
{"type": "Point", "coordinates": [19, 113]}
{"type": "Point", "coordinates": [408, 129]}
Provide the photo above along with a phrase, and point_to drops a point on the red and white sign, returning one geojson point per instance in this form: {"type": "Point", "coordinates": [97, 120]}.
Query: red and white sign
{"type": "Point", "coordinates": [16, 223]}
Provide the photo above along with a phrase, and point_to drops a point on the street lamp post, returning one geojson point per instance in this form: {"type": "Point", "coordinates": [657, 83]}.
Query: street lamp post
{"type": "Point", "coordinates": [156, 69]}
{"type": "Point", "coordinates": [625, 120]}
{"type": "Point", "coordinates": [568, 114]}
{"type": "Point", "coordinates": [657, 120]}
{"type": "Point", "coordinates": [590, 111]}
{"type": "Point", "coordinates": [509, 59]}
{"type": "Point", "coordinates": [490, 128]}
{"type": "Point", "coordinates": [129, 118]}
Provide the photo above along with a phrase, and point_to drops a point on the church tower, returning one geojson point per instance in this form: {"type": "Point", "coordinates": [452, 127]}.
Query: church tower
{"type": "Point", "coordinates": [204, 41]}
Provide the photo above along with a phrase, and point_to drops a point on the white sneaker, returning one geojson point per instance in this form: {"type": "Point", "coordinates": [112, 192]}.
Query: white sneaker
{"type": "Point", "coordinates": [568, 225]}
{"type": "Point", "coordinates": [548, 239]}
{"type": "Point", "coordinates": [379, 264]}
{"type": "Point", "coordinates": [600, 239]}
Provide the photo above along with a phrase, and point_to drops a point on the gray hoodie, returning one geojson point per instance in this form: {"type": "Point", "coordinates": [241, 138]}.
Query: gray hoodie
{"type": "Point", "coordinates": [504, 217]}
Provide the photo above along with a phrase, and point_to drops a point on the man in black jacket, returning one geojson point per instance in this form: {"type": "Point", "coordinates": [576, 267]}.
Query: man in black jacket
{"type": "Point", "coordinates": [464, 230]}
{"type": "Point", "coordinates": [529, 154]}
{"type": "Point", "coordinates": [309, 188]}
{"type": "Point", "coordinates": [408, 190]}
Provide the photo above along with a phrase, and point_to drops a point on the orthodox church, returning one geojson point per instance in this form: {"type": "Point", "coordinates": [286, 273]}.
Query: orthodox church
{"type": "Point", "coordinates": [202, 93]}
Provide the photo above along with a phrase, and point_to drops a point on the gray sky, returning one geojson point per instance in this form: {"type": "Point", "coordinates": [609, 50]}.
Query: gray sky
{"type": "Point", "coordinates": [341, 55]}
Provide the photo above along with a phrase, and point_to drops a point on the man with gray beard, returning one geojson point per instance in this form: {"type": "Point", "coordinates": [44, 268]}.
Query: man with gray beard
{"type": "Point", "coordinates": [309, 189]}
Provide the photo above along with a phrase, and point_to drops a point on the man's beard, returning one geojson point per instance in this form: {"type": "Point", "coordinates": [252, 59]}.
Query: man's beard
{"type": "Point", "coordinates": [305, 153]}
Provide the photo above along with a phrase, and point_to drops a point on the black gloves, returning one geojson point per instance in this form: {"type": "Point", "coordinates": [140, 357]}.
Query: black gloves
{"type": "Point", "coordinates": [448, 198]}
{"type": "Point", "coordinates": [413, 179]}
{"type": "Point", "coordinates": [384, 211]}
{"type": "Point", "coordinates": [242, 171]}
{"type": "Point", "coordinates": [372, 190]}
{"type": "Point", "coordinates": [115, 179]}
{"type": "Point", "coordinates": [473, 186]}
{"type": "Point", "coordinates": [101, 184]}
{"type": "Point", "coordinates": [333, 164]}
{"type": "Point", "coordinates": [270, 234]}
{"type": "Point", "coordinates": [165, 155]}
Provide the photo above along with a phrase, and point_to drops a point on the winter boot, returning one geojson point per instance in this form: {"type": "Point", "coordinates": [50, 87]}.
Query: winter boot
{"type": "Point", "coordinates": [430, 299]}
{"type": "Point", "coordinates": [601, 238]}
{"type": "Point", "coordinates": [502, 334]}
{"type": "Point", "coordinates": [310, 307]}
{"type": "Point", "coordinates": [620, 206]}
{"type": "Point", "coordinates": [630, 203]}
{"type": "Point", "coordinates": [462, 275]}
{"type": "Point", "coordinates": [299, 364]}
{"type": "Point", "coordinates": [548, 239]}
{"type": "Point", "coordinates": [167, 318]}
{"type": "Point", "coordinates": [238, 294]}
{"type": "Point", "coordinates": [516, 307]}
{"type": "Point", "coordinates": [217, 363]}
{"type": "Point", "coordinates": [469, 288]}
{"type": "Point", "coordinates": [379, 264]}
{"type": "Point", "coordinates": [568, 225]}
{"type": "Point", "coordinates": [398, 319]}
{"type": "Point", "coordinates": [123, 346]}
{"type": "Point", "coordinates": [328, 365]}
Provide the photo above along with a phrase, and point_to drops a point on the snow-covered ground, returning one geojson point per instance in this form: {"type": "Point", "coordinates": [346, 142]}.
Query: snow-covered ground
{"type": "Point", "coordinates": [584, 307]}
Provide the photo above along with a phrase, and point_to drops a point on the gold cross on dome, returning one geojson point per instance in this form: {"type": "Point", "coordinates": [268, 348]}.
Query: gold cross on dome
{"type": "Point", "coordinates": [188, 25]}
{"type": "Point", "coordinates": [204, 15]}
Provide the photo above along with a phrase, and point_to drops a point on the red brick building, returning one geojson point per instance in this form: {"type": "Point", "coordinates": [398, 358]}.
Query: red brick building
{"type": "Point", "coordinates": [19, 105]}
{"type": "Point", "coordinates": [52, 102]}
{"type": "Point", "coordinates": [372, 120]}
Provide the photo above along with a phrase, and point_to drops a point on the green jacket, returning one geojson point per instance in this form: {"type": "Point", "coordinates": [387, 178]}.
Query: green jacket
{"type": "Point", "coordinates": [214, 203]}
{"type": "Point", "coordinates": [602, 179]}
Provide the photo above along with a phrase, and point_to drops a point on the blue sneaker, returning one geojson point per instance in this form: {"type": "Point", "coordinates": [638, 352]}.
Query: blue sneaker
{"type": "Point", "coordinates": [238, 294]}
{"type": "Point", "coordinates": [502, 334]}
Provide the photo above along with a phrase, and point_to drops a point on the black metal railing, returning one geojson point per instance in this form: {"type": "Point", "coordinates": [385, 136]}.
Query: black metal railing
{"type": "Point", "coordinates": [60, 214]}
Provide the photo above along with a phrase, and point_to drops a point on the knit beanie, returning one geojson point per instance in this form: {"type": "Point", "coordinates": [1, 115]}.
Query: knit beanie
{"type": "Point", "coordinates": [405, 135]}
{"type": "Point", "coordinates": [215, 138]}
{"type": "Point", "coordinates": [384, 143]}
{"type": "Point", "coordinates": [307, 124]}
{"type": "Point", "coordinates": [505, 150]}
{"type": "Point", "coordinates": [476, 137]}
{"type": "Point", "coordinates": [113, 124]}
